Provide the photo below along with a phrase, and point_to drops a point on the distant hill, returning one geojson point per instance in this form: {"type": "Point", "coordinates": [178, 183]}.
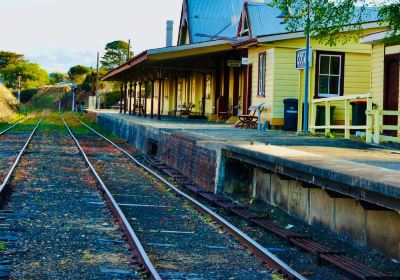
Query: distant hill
{"type": "Point", "coordinates": [48, 97]}
{"type": "Point", "coordinates": [8, 104]}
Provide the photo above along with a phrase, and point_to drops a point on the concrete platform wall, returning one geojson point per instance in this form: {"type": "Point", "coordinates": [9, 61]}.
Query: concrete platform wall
{"type": "Point", "coordinates": [345, 216]}
{"type": "Point", "coordinates": [206, 164]}
{"type": "Point", "coordinates": [181, 153]}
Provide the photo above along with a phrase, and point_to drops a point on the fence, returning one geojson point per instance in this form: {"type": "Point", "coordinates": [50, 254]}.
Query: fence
{"type": "Point", "coordinates": [374, 127]}
{"type": "Point", "coordinates": [347, 127]}
{"type": "Point", "coordinates": [376, 132]}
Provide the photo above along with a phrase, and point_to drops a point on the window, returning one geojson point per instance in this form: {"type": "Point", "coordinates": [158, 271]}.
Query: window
{"type": "Point", "coordinates": [329, 75]}
{"type": "Point", "coordinates": [262, 61]}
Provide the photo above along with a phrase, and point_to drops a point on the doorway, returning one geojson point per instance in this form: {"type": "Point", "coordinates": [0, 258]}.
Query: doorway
{"type": "Point", "coordinates": [391, 92]}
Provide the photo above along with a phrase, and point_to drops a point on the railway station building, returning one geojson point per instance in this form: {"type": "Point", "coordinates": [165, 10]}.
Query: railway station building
{"type": "Point", "coordinates": [231, 56]}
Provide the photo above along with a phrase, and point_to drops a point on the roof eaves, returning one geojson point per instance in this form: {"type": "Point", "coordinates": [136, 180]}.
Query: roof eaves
{"type": "Point", "coordinates": [147, 55]}
{"type": "Point", "coordinates": [300, 34]}
{"type": "Point", "coordinates": [248, 20]}
{"type": "Point", "coordinates": [375, 37]}
{"type": "Point", "coordinates": [245, 43]}
{"type": "Point", "coordinates": [126, 65]}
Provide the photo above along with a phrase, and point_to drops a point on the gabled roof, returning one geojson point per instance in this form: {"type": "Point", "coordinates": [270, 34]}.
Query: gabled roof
{"type": "Point", "coordinates": [208, 20]}
{"type": "Point", "coordinates": [263, 20]}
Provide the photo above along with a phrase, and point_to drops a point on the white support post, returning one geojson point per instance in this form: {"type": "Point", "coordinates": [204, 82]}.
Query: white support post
{"type": "Point", "coordinates": [313, 117]}
{"type": "Point", "coordinates": [327, 117]}
{"type": "Point", "coordinates": [377, 132]}
{"type": "Point", "coordinates": [347, 119]}
{"type": "Point", "coordinates": [368, 132]}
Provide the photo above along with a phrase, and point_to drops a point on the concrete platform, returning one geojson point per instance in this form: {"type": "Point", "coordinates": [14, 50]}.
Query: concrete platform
{"type": "Point", "coordinates": [347, 186]}
{"type": "Point", "coordinates": [374, 168]}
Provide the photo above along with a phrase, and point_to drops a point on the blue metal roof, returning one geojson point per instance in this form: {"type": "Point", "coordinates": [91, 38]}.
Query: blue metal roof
{"type": "Point", "coordinates": [212, 19]}
{"type": "Point", "coordinates": [264, 19]}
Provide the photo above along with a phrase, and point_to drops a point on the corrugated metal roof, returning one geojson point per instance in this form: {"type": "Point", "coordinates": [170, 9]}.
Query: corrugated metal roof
{"type": "Point", "coordinates": [264, 19]}
{"type": "Point", "coordinates": [208, 18]}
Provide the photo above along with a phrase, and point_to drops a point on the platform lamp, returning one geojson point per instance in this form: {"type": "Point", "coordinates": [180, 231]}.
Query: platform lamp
{"type": "Point", "coordinates": [19, 86]}
{"type": "Point", "coordinates": [307, 30]}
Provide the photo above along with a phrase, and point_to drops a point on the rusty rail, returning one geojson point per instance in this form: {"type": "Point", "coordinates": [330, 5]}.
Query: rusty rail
{"type": "Point", "coordinates": [257, 249]}
{"type": "Point", "coordinates": [11, 171]}
{"type": "Point", "coordinates": [11, 127]}
{"type": "Point", "coordinates": [323, 253]}
{"type": "Point", "coordinates": [132, 238]}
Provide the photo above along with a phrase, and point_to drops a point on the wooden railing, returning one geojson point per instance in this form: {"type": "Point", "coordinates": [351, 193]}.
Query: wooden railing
{"type": "Point", "coordinates": [373, 128]}
{"type": "Point", "coordinates": [347, 127]}
{"type": "Point", "coordinates": [375, 133]}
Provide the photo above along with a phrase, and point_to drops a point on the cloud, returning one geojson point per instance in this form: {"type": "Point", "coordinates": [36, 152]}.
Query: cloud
{"type": "Point", "coordinates": [61, 33]}
{"type": "Point", "coordinates": [61, 59]}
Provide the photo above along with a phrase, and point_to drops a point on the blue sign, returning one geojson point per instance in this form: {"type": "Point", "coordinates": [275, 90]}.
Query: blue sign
{"type": "Point", "coordinates": [301, 58]}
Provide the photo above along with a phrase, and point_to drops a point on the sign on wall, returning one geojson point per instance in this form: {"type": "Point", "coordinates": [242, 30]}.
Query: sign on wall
{"type": "Point", "coordinates": [234, 63]}
{"type": "Point", "coordinates": [301, 58]}
{"type": "Point", "coordinates": [245, 61]}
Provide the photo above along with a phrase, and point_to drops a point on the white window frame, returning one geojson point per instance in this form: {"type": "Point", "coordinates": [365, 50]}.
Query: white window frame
{"type": "Point", "coordinates": [262, 75]}
{"type": "Point", "coordinates": [330, 75]}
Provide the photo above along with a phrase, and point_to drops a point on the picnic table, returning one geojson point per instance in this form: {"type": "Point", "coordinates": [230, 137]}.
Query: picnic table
{"type": "Point", "coordinates": [186, 111]}
{"type": "Point", "coordinates": [251, 120]}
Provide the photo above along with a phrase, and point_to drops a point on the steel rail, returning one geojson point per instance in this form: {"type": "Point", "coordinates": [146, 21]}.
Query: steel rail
{"type": "Point", "coordinates": [132, 237]}
{"type": "Point", "coordinates": [11, 127]}
{"type": "Point", "coordinates": [257, 249]}
{"type": "Point", "coordinates": [11, 171]}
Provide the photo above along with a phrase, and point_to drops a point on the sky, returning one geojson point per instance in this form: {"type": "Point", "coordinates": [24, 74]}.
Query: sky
{"type": "Point", "coordinates": [58, 34]}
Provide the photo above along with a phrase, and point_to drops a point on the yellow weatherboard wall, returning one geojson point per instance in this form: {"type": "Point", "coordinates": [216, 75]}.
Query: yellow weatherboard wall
{"type": "Point", "coordinates": [377, 76]}
{"type": "Point", "coordinates": [283, 80]}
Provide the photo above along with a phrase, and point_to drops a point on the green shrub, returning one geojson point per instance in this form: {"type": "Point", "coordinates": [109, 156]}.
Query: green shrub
{"type": "Point", "coordinates": [27, 94]}
{"type": "Point", "coordinates": [111, 98]}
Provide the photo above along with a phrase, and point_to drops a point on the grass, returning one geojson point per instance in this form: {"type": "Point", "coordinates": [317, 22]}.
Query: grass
{"type": "Point", "coordinates": [8, 105]}
{"type": "Point", "coordinates": [276, 276]}
{"type": "Point", "coordinates": [80, 129]}
{"type": "Point", "coordinates": [87, 255]}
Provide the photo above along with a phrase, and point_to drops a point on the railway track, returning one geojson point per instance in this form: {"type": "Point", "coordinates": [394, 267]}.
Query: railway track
{"type": "Point", "coordinates": [324, 254]}
{"type": "Point", "coordinates": [163, 230]}
{"type": "Point", "coordinates": [14, 143]}
{"type": "Point", "coordinates": [13, 147]}
{"type": "Point", "coordinates": [160, 222]}
{"type": "Point", "coordinates": [11, 127]}
{"type": "Point", "coordinates": [54, 224]}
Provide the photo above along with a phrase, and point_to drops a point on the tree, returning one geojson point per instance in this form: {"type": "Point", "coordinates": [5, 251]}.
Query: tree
{"type": "Point", "coordinates": [7, 58]}
{"type": "Point", "coordinates": [32, 75]}
{"type": "Point", "coordinates": [328, 19]}
{"type": "Point", "coordinates": [77, 74]}
{"type": "Point", "coordinates": [58, 77]}
{"type": "Point", "coordinates": [389, 13]}
{"type": "Point", "coordinates": [89, 83]}
{"type": "Point", "coordinates": [116, 53]}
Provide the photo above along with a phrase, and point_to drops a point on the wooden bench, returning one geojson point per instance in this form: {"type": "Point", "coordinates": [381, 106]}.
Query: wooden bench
{"type": "Point", "coordinates": [250, 120]}
{"type": "Point", "coordinates": [186, 111]}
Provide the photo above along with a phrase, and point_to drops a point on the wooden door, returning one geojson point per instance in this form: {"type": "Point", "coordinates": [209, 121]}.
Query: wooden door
{"type": "Point", "coordinates": [391, 93]}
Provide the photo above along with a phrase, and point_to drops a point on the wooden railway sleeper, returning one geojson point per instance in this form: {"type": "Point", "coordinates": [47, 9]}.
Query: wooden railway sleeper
{"type": "Point", "coordinates": [324, 255]}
